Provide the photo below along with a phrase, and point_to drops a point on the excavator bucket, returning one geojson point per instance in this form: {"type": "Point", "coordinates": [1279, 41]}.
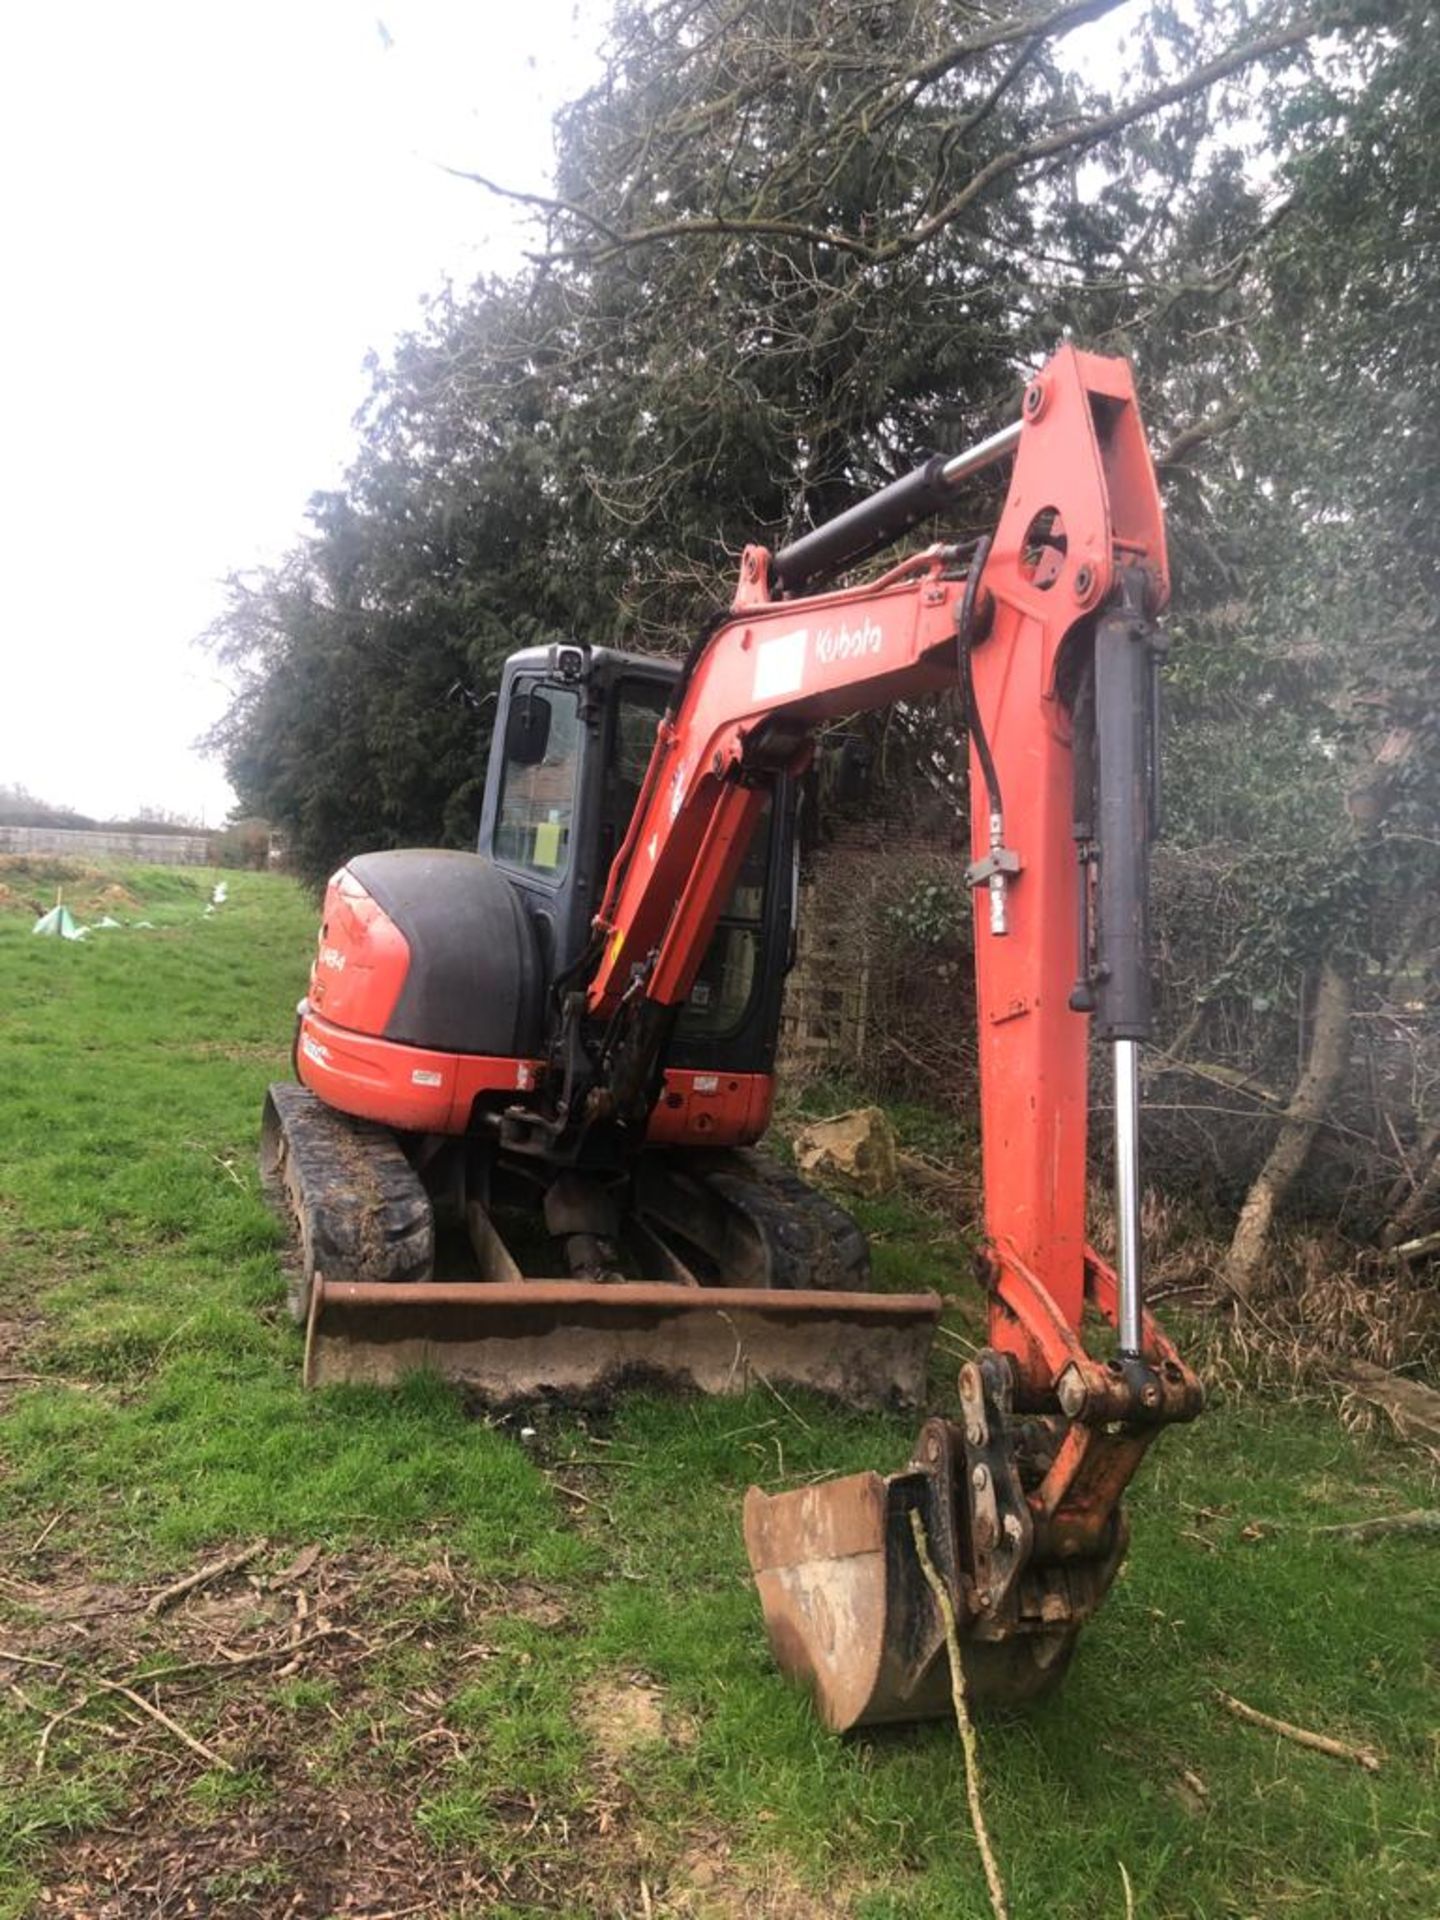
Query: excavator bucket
{"type": "Point", "coordinates": [846, 1605]}
{"type": "Point", "coordinates": [851, 1616]}
{"type": "Point", "coordinates": [514, 1340]}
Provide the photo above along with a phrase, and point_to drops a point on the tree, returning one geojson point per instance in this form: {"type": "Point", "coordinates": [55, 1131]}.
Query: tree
{"type": "Point", "coordinates": [1306, 727]}
{"type": "Point", "coordinates": [794, 244]}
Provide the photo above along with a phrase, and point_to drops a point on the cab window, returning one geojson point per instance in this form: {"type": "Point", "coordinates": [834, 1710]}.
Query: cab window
{"type": "Point", "coordinates": [729, 974]}
{"type": "Point", "coordinates": [537, 784]}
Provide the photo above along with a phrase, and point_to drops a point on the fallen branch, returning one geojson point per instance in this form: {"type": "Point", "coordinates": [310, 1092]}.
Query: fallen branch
{"type": "Point", "coordinates": [1415, 1249]}
{"type": "Point", "coordinates": [1302, 1736]}
{"type": "Point", "coordinates": [968, 1744]}
{"type": "Point", "coordinates": [207, 1754]}
{"type": "Point", "coordinates": [202, 1577]}
{"type": "Point", "coordinates": [1421, 1520]}
{"type": "Point", "coordinates": [1413, 1408]}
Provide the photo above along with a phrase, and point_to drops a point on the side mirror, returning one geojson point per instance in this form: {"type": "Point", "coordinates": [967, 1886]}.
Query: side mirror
{"type": "Point", "coordinates": [527, 728]}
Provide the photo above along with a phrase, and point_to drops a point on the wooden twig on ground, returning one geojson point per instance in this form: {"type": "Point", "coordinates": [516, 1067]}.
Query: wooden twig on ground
{"type": "Point", "coordinates": [1421, 1520]}
{"type": "Point", "coordinates": [207, 1754]}
{"type": "Point", "coordinates": [56, 1720]}
{"type": "Point", "coordinates": [1302, 1736]}
{"type": "Point", "coordinates": [44, 1535]}
{"type": "Point", "coordinates": [202, 1576]}
{"type": "Point", "coordinates": [297, 1569]}
{"type": "Point", "coordinates": [968, 1743]}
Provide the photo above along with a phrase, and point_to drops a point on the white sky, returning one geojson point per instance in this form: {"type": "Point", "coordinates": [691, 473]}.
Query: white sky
{"type": "Point", "coordinates": [212, 209]}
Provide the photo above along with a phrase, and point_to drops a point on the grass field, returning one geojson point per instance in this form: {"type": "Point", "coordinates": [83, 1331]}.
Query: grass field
{"type": "Point", "coordinates": [471, 1673]}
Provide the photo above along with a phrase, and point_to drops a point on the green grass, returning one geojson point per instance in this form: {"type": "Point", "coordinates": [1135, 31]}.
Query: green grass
{"type": "Point", "coordinates": [167, 1420]}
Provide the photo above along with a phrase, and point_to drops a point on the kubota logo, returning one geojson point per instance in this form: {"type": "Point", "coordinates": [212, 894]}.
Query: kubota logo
{"type": "Point", "coordinates": [848, 643]}
{"type": "Point", "coordinates": [333, 958]}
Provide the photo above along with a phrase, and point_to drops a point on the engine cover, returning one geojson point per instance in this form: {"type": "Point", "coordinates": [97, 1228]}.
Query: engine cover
{"type": "Point", "coordinates": [429, 948]}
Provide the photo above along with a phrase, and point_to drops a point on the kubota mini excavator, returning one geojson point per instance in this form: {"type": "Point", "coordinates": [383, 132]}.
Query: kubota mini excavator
{"type": "Point", "coordinates": [563, 1044]}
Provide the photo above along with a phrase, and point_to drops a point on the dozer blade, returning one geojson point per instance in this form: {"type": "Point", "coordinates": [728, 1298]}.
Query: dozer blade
{"type": "Point", "coordinates": [516, 1340]}
{"type": "Point", "coordinates": [851, 1616]}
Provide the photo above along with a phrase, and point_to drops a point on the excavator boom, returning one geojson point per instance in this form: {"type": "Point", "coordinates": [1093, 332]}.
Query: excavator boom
{"type": "Point", "coordinates": [1050, 630]}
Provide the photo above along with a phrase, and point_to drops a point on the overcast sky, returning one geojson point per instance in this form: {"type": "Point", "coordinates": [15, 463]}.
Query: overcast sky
{"type": "Point", "coordinates": [212, 211]}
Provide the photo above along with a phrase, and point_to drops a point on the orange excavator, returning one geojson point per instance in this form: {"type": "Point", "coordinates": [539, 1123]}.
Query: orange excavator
{"type": "Point", "coordinates": [522, 1149]}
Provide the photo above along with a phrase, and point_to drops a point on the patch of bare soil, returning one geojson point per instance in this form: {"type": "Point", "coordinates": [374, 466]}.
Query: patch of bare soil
{"type": "Point", "coordinates": [243, 1051]}
{"type": "Point", "coordinates": [621, 1716]}
{"type": "Point", "coordinates": [706, 1879]}
{"type": "Point", "coordinates": [306, 1854]}
{"type": "Point", "coordinates": [287, 1722]}
{"type": "Point", "coordinates": [309, 1807]}
{"type": "Point", "coordinates": [28, 883]}
{"type": "Point", "coordinates": [710, 1883]}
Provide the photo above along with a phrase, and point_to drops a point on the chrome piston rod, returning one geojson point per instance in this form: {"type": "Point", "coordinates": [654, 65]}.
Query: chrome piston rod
{"type": "Point", "coordinates": [1127, 1195]}
{"type": "Point", "coordinates": [983, 454]}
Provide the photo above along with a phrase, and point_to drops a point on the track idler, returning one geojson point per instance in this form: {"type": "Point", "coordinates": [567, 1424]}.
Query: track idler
{"type": "Point", "coordinates": [1024, 1527]}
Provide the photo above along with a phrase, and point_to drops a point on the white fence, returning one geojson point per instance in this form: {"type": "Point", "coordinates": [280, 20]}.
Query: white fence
{"type": "Point", "coordinates": [97, 843]}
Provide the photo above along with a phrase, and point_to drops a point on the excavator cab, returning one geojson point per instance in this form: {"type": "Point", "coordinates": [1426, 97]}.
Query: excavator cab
{"type": "Point", "coordinates": [574, 733]}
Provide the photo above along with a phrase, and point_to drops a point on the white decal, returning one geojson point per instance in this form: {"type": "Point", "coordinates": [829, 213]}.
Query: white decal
{"type": "Point", "coordinates": [333, 958]}
{"type": "Point", "coordinates": [313, 1050]}
{"type": "Point", "coordinates": [677, 791]}
{"type": "Point", "coordinates": [707, 1083]}
{"type": "Point", "coordinates": [848, 643]}
{"type": "Point", "coordinates": [423, 1077]}
{"type": "Point", "coordinates": [780, 665]}
{"type": "Point", "coordinates": [524, 1078]}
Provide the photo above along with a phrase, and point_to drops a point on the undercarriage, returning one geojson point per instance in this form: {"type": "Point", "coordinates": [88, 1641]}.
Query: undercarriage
{"type": "Point", "coordinates": [703, 1269]}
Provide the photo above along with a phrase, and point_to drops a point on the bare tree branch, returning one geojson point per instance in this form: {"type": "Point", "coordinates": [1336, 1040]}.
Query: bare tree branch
{"type": "Point", "coordinates": [1089, 132]}
{"type": "Point", "coordinates": [1195, 435]}
{"type": "Point", "coordinates": [1065, 140]}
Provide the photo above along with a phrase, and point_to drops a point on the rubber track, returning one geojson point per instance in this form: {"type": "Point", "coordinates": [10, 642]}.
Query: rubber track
{"type": "Point", "coordinates": [359, 1206]}
{"type": "Point", "coordinates": [812, 1241]}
